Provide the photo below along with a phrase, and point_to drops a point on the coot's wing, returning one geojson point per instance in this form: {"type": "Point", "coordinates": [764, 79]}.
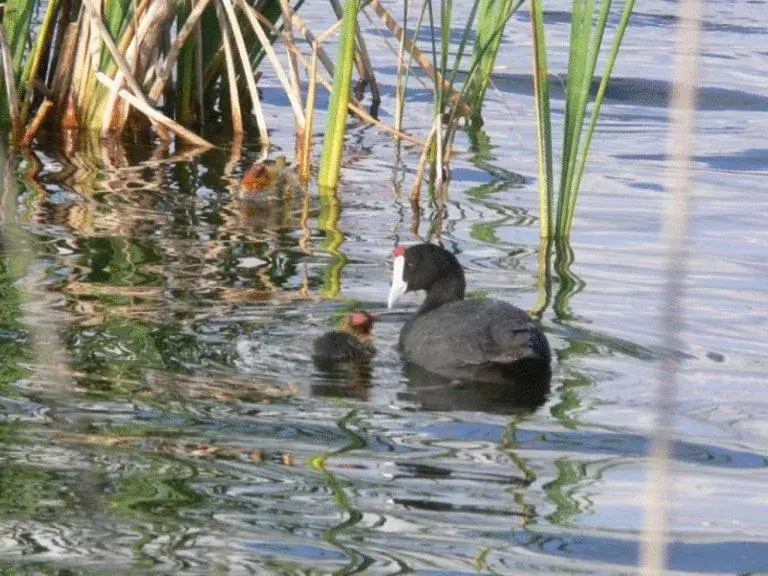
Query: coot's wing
{"type": "Point", "coordinates": [444, 339]}
{"type": "Point", "coordinates": [515, 336]}
{"type": "Point", "coordinates": [470, 333]}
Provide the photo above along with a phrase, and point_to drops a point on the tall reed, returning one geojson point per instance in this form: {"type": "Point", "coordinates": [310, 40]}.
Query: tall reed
{"type": "Point", "coordinates": [488, 41]}
{"type": "Point", "coordinates": [451, 103]}
{"type": "Point", "coordinates": [588, 24]}
{"type": "Point", "coordinates": [336, 125]}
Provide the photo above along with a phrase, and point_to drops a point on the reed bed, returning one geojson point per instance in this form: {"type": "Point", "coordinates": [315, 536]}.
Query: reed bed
{"type": "Point", "coordinates": [113, 67]}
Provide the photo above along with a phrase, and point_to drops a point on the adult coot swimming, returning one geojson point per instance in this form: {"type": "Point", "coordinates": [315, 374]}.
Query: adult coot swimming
{"type": "Point", "coordinates": [351, 342]}
{"type": "Point", "coordinates": [481, 340]}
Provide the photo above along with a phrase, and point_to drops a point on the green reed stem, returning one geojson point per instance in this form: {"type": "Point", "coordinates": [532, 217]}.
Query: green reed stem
{"type": "Point", "coordinates": [578, 172]}
{"type": "Point", "coordinates": [17, 16]}
{"type": "Point", "coordinates": [543, 122]}
{"type": "Point", "coordinates": [39, 51]}
{"type": "Point", "coordinates": [185, 68]}
{"type": "Point", "coordinates": [333, 145]}
{"type": "Point", "coordinates": [588, 24]}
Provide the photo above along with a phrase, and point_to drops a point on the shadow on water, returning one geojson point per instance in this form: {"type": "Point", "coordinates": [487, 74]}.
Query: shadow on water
{"type": "Point", "coordinates": [650, 20]}
{"type": "Point", "coordinates": [642, 92]}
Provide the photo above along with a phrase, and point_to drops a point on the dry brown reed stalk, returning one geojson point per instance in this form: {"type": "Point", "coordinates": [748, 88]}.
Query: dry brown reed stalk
{"type": "Point", "coordinates": [235, 154]}
{"type": "Point", "coordinates": [131, 28]}
{"type": "Point", "coordinates": [416, 220]}
{"type": "Point", "coordinates": [234, 98]}
{"type": "Point", "coordinates": [439, 151]}
{"type": "Point", "coordinates": [272, 56]}
{"type": "Point", "coordinates": [329, 31]}
{"type": "Point", "coordinates": [361, 113]}
{"type": "Point", "coordinates": [45, 32]}
{"type": "Point", "coordinates": [314, 44]}
{"type": "Point", "coordinates": [323, 57]}
{"type": "Point", "coordinates": [80, 72]}
{"type": "Point", "coordinates": [358, 59]}
{"type": "Point", "coordinates": [62, 73]}
{"type": "Point", "coordinates": [400, 89]}
{"type": "Point", "coordinates": [191, 24]}
{"type": "Point", "coordinates": [69, 127]}
{"type": "Point", "coordinates": [416, 189]}
{"type": "Point", "coordinates": [306, 148]}
{"type": "Point", "coordinates": [398, 32]}
{"type": "Point", "coordinates": [130, 33]}
{"type": "Point", "coordinates": [34, 126]}
{"type": "Point", "coordinates": [367, 75]}
{"type": "Point", "coordinates": [658, 485]}
{"type": "Point", "coordinates": [444, 155]}
{"type": "Point", "coordinates": [115, 111]}
{"type": "Point", "coordinates": [109, 43]}
{"type": "Point", "coordinates": [151, 69]}
{"type": "Point", "coordinates": [115, 114]}
{"type": "Point", "coordinates": [245, 63]}
{"type": "Point", "coordinates": [293, 65]}
{"type": "Point", "coordinates": [158, 117]}
{"type": "Point", "coordinates": [400, 48]}
{"type": "Point", "coordinates": [353, 105]}
{"type": "Point", "coordinates": [199, 66]}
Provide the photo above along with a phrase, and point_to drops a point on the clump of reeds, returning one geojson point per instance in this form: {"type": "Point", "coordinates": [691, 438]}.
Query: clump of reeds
{"type": "Point", "coordinates": [588, 24]}
{"type": "Point", "coordinates": [110, 66]}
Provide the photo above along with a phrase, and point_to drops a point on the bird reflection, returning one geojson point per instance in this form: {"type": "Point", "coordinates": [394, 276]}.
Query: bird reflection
{"type": "Point", "coordinates": [350, 379]}
{"type": "Point", "coordinates": [527, 389]}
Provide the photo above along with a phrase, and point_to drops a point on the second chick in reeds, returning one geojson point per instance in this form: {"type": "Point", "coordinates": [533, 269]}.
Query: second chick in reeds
{"type": "Point", "coordinates": [267, 174]}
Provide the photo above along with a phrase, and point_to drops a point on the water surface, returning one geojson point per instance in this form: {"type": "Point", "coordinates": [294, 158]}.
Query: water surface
{"type": "Point", "coordinates": [161, 412]}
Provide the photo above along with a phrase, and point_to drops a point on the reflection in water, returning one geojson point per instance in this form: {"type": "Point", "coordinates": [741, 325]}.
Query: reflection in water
{"type": "Point", "coordinates": [569, 283]}
{"type": "Point", "coordinates": [526, 390]}
{"type": "Point", "coordinates": [543, 278]}
{"type": "Point", "coordinates": [350, 379]}
{"type": "Point", "coordinates": [330, 214]}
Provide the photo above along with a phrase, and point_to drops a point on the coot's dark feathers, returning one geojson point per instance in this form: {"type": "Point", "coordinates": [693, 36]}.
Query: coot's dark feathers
{"type": "Point", "coordinates": [473, 339]}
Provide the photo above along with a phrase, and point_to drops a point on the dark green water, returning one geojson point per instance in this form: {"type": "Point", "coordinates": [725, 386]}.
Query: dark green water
{"type": "Point", "coordinates": [159, 411]}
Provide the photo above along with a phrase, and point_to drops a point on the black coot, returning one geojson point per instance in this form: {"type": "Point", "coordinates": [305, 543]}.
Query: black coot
{"type": "Point", "coordinates": [480, 340]}
{"type": "Point", "coordinates": [351, 342]}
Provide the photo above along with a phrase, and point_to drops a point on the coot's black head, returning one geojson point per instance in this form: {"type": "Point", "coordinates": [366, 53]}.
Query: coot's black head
{"type": "Point", "coordinates": [430, 268]}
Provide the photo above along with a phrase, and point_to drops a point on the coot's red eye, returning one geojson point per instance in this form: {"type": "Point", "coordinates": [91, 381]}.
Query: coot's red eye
{"type": "Point", "coordinates": [398, 251]}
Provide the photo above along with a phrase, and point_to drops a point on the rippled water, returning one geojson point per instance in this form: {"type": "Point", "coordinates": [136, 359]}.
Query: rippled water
{"type": "Point", "coordinates": [161, 412]}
